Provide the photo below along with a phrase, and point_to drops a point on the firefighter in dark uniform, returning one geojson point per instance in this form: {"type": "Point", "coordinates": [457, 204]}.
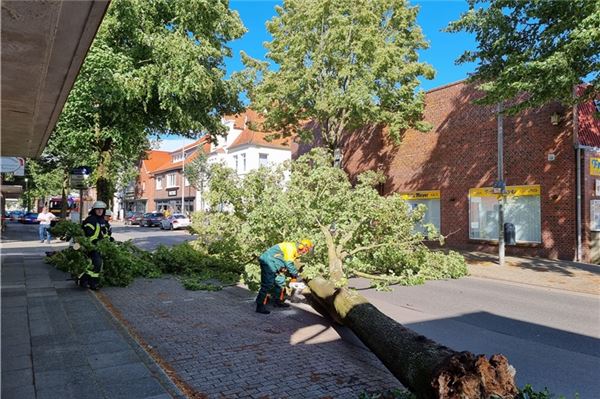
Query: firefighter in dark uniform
{"type": "Point", "coordinates": [95, 228]}
{"type": "Point", "coordinates": [108, 218]}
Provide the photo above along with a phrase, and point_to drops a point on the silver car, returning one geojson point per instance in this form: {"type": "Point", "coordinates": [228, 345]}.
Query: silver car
{"type": "Point", "coordinates": [175, 221]}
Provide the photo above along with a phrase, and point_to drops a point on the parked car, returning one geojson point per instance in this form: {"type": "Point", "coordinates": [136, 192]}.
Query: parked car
{"type": "Point", "coordinates": [29, 218]}
{"type": "Point", "coordinates": [133, 217]}
{"type": "Point", "coordinates": [16, 215]}
{"type": "Point", "coordinates": [175, 221]}
{"type": "Point", "coordinates": [152, 219]}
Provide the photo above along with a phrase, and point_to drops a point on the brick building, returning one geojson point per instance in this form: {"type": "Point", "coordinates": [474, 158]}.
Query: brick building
{"type": "Point", "coordinates": [168, 179]}
{"type": "Point", "coordinates": [452, 169]}
{"type": "Point", "coordinates": [139, 195]}
{"type": "Point", "coordinates": [159, 183]}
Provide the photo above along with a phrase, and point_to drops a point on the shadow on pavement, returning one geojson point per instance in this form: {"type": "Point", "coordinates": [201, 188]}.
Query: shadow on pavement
{"type": "Point", "coordinates": [220, 347]}
{"type": "Point", "coordinates": [563, 267]}
{"type": "Point", "coordinates": [573, 370]}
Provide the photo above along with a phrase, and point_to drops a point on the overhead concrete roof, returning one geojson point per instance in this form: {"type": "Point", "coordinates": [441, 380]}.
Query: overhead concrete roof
{"type": "Point", "coordinates": [44, 44]}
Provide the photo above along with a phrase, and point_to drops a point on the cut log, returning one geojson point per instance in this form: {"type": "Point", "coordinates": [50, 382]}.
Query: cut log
{"type": "Point", "coordinates": [426, 368]}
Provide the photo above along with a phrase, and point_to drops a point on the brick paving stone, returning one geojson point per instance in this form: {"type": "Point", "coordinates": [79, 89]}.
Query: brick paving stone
{"type": "Point", "coordinates": [217, 344]}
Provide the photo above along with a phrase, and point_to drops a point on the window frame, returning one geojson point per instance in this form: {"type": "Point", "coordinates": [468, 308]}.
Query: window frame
{"type": "Point", "coordinates": [263, 161]}
{"type": "Point", "coordinates": [514, 192]}
{"type": "Point", "coordinates": [174, 178]}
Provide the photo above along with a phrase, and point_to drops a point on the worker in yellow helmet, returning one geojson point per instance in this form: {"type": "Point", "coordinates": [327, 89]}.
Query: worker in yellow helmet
{"type": "Point", "coordinates": [274, 263]}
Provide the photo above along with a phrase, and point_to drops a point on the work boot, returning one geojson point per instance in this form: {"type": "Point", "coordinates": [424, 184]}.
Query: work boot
{"type": "Point", "coordinates": [260, 308]}
{"type": "Point", "coordinates": [82, 281]}
{"type": "Point", "coordinates": [280, 304]}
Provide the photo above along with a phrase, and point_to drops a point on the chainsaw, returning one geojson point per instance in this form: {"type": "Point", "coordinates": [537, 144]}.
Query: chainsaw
{"type": "Point", "coordinates": [295, 289]}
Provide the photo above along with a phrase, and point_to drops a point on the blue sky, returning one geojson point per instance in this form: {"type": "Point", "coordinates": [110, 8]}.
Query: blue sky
{"type": "Point", "coordinates": [434, 15]}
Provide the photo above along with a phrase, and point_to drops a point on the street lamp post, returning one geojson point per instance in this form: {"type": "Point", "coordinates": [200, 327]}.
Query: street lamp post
{"type": "Point", "coordinates": [27, 193]}
{"type": "Point", "coordinates": [501, 185]}
{"type": "Point", "coordinates": [183, 178]}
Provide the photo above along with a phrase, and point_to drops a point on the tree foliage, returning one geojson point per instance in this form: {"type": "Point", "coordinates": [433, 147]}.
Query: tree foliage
{"type": "Point", "coordinates": [154, 67]}
{"type": "Point", "coordinates": [343, 64]}
{"type": "Point", "coordinates": [44, 179]}
{"type": "Point", "coordinates": [354, 227]}
{"type": "Point", "coordinates": [198, 174]}
{"type": "Point", "coordinates": [541, 48]}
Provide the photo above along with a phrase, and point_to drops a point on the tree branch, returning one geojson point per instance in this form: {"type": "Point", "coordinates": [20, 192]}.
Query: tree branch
{"type": "Point", "coordinates": [366, 248]}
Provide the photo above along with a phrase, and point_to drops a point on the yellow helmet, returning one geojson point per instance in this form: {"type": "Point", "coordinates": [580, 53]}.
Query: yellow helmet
{"type": "Point", "coordinates": [305, 243]}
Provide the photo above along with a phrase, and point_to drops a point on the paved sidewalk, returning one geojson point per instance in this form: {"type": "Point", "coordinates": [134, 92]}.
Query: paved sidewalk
{"type": "Point", "coordinates": [59, 342]}
{"type": "Point", "coordinates": [221, 348]}
{"type": "Point", "coordinates": [555, 274]}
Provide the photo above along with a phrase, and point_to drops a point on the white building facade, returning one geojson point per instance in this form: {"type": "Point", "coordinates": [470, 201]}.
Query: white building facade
{"type": "Point", "coordinates": [244, 150]}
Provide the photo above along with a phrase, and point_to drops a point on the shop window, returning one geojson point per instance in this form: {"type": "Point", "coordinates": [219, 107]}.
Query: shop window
{"type": "Point", "coordinates": [522, 209]}
{"type": "Point", "coordinates": [431, 200]}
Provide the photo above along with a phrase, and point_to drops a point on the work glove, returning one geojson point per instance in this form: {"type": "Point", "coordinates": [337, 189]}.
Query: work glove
{"type": "Point", "coordinates": [280, 280]}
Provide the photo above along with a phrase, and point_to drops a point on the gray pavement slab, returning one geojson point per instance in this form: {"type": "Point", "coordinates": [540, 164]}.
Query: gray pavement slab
{"type": "Point", "coordinates": [221, 348]}
{"type": "Point", "coordinates": [58, 341]}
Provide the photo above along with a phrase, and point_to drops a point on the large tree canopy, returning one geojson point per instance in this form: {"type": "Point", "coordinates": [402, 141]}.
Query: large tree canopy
{"type": "Point", "coordinates": [355, 228]}
{"type": "Point", "coordinates": [542, 48]}
{"type": "Point", "coordinates": [154, 67]}
{"type": "Point", "coordinates": [343, 64]}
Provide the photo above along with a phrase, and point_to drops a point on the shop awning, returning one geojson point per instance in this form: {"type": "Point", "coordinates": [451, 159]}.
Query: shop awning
{"type": "Point", "coordinates": [44, 44]}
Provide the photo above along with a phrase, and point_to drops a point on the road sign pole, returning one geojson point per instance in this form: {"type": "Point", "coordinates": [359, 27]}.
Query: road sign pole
{"type": "Point", "coordinates": [501, 248]}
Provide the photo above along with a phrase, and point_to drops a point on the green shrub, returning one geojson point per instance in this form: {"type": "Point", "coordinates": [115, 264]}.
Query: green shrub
{"type": "Point", "coordinates": [122, 262]}
{"type": "Point", "coordinates": [66, 230]}
{"type": "Point", "coordinates": [71, 261]}
{"type": "Point", "coordinates": [199, 269]}
{"type": "Point", "coordinates": [527, 392]}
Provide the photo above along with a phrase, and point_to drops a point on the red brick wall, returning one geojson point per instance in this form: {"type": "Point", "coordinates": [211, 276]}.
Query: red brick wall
{"type": "Point", "coordinates": [162, 193]}
{"type": "Point", "coordinates": [145, 188]}
{"type": "Point", "coordinates": [460, 152]}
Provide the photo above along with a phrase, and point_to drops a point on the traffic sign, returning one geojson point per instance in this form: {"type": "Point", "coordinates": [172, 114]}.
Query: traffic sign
{"type": "Point", "coordinates": [80, 177]}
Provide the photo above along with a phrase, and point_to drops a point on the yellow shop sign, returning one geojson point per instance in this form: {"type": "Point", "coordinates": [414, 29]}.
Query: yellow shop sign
{"type": "Point", "coordinates": [595, 166]}
{"type": "Point", "coordinates": [421, 195]}
{"type": "Point", "coordinates": [515, 191]}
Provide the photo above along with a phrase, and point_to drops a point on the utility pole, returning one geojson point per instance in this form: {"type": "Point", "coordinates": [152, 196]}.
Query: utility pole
{"type": "Point", "coordinates": [183, 178]}
{"type": "Point", "coordinates": [27, 193]}
{"type": "Point", "coordinates": [501, 185]}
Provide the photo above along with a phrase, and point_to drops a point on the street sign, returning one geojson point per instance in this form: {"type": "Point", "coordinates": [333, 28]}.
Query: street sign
{"type": "Point", "coordinates": [14, 165]}
{"type": "Point", "coordinates": [80, 177]}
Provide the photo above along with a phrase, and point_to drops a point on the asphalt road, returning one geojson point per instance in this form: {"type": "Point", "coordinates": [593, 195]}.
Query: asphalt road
{"type": "Point", "coordinates": [551, 337]}
{"type": "Point", "coordinates": [149, 238]}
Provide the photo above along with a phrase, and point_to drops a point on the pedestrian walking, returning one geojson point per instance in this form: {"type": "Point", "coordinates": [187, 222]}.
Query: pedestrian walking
{"type": "Point", "coordinates": [45, 218]}
{"type": "Point", "coordinates": [95, 228]}
{"type": "Point", "coordinates": [274, 264]}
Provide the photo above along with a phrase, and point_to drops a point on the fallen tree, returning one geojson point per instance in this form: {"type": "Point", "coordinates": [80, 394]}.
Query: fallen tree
{"type": "Point", "coordinates": [426, 368]}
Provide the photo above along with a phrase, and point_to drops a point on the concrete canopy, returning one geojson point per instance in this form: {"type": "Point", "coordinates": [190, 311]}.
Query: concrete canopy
{"type": "Point", "coordinates": [44, 44]}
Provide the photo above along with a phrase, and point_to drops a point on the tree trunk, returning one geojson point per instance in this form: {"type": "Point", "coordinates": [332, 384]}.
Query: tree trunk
{"type": "Point", "coordinates": [63, 203]}
{"type": "Point", "coordinates": [336, 267]}
{"type": "Point", "coordinates": [426, 368]}
{"type": "Point", "coordinates": [104, 183]}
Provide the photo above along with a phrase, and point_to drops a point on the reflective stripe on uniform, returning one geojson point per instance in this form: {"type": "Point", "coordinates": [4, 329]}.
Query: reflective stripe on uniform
{"type": "Point", "coordinates": [90, 273]}
{"type": "Point", "coordinates": [96, 230]}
